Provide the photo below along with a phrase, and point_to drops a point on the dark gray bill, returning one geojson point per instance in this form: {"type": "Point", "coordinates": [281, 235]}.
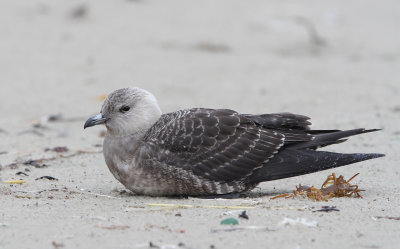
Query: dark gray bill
{"type": "Point", "coordinates": [94, 120]}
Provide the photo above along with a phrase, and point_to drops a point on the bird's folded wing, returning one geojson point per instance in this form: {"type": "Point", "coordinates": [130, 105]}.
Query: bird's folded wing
{"type": "Point", "coordinates": [295, 128]}
{"type": "Point", "coordinates": [283, 120]}
{"type": "Point", "coordinates": [219, 145]}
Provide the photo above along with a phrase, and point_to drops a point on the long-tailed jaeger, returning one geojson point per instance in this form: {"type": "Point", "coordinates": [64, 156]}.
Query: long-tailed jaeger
{"type": "Point", "coordinates": [209, 151]}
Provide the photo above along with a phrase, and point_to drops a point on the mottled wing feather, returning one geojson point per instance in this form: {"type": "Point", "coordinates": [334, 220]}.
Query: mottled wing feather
{"type": "Point", "coordinates": [295, 128]}
{"type": "Point", "coordinates": [284, 120]}
{"type": "Point", "coordinates": [219, 145]}
{"type": "Point", "coordinates": [295, 136]}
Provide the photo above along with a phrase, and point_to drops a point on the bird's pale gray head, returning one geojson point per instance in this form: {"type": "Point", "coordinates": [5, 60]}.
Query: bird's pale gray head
{"type": "Point", "coordinates": [127, 111]}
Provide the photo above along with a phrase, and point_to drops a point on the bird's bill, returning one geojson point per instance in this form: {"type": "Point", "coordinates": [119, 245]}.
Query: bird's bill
{"type": "Point", "coordinates": [94, 120]}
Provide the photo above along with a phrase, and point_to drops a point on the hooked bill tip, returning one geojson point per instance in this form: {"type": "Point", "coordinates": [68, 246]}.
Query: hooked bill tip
{"type": "Point", "coordinates": [94, 120]}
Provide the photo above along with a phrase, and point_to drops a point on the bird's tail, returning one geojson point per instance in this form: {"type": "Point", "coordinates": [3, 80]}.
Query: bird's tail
{"type": "Point", "coordinates": [324, 138]}
{"type": "Point", "coordinates": [293, 162]}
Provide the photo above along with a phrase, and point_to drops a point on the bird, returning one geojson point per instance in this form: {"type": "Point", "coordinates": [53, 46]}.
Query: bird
{"type": "Point", "coordinates": [210, 152]}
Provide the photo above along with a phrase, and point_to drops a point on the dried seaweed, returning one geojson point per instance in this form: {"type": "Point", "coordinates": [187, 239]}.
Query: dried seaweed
{"type": "Point", "coordinates": [21, 173]}
{"type": "Point", "coordinates": [38, 163]}
{"type": "Point", "coordinates": [332, 187]}
{"type": "Point", "coordinates": [387, 217]}
{"type": "Point", "coordinates": [243, 215]}
{"type": "Point", "coordinates": [58, 149]}
{"type": "Point", "coordinates": [47, 177]}
{"type": "Point", "coordinates": [327, 209]}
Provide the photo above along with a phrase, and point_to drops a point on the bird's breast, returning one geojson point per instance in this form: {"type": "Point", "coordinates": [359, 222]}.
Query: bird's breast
{"type": "Point", "coordinates": [119, 154]}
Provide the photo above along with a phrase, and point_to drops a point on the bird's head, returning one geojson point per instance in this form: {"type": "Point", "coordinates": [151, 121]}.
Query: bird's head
{"type": "Point", "coordinates": [127, 111]}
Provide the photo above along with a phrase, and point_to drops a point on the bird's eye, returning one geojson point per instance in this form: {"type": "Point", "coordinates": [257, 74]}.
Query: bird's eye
{"type": "Point", "coordinates": [124, 108]}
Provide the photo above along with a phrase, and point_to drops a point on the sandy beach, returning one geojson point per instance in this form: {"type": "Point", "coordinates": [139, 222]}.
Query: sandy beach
{"type": "Point", "coordinates": [337, 62]}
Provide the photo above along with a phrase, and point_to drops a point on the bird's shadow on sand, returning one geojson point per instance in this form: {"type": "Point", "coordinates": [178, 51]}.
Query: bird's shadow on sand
{"type": "Point", "coordinates": [251, 194]}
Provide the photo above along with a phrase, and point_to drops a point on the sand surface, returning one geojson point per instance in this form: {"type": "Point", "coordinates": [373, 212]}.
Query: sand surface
{"type": "Point", "coordinates": [336, 61]}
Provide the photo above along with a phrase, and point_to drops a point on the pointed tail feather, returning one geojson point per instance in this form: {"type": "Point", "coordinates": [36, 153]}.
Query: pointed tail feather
{"type": "Point", "coordinates": [331, 137]}
{"type": "Point", "coordinates": [291, 162]}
